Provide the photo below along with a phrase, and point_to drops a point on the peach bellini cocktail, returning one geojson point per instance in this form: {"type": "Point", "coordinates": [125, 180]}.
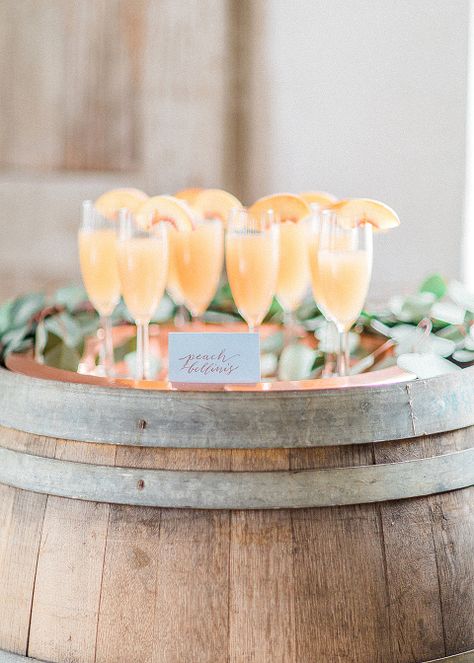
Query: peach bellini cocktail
{"type": "Point", "coordinates": [252, 255]}
{"type": "Point", "coordinates": [199, 258]}
{"type": "Point", "coordinates": [341, 266]}
{"type": "Point", "coordinates": [340, 256]}
{"type": "Point", "coordinates": [290, 212]}
{"type": "Point", "coordinates": [199, 254]}
{"type": "Point", "coordinates": [97, 242]}
{"type": "Point", "coordinates": [142, 251]}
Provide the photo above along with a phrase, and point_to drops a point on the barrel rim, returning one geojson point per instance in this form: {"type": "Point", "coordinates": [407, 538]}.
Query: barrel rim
{"type": "Point", "coordinates": [217, 489]}
{"type": "Point", "coordinates": [217, 419]}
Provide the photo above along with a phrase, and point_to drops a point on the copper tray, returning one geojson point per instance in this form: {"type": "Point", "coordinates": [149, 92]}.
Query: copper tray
{"type": "Point", "coordinates": [27, 365]}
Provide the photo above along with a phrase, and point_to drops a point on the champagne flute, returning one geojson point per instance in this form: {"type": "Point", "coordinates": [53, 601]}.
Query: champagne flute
{"type": "Point", "coordinates": [313, 224]}
{"type": "Point", "coordinates": [252, 257]}
{"type": "Point", "coordinates": [98, 259]}
{"type": "Point", "coordinates": [293, 271]}
{"type": "Point", "coordinates": [199, 258]}
{"type": "Point", "coordinates": [143, 269]}
{"type": "Point", "coordinates": [341, 267]}
{"type": "Point", "coordinates": [172, 283]}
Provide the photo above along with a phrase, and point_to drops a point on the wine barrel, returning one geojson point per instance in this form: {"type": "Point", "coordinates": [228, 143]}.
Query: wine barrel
{"type": "Point", "coordinates": [205, 527]}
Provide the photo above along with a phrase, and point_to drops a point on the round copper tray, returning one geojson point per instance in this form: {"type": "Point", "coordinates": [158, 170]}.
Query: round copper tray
{"type": "Point", "coordinates": [26, 364]}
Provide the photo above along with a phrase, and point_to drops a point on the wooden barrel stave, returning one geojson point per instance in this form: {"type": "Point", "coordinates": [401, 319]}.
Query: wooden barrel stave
{"type": "Point", "coordinates": [294, 563]}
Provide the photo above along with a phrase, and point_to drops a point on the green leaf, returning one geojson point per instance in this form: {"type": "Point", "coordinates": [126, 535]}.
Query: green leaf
{"type": "Point", "coordinates": [434, 284]}
{"type": "Point", "coordinates": [448, 312]}
{"type": "Point", "coordinates": [26, 344]}
{"type": "Point", "coordinates": [296, 362]}
{"type": "Point", "coordinates": [469, 340]}
{"type": "Point", "coordinates": [426, 365]}
{"type": "Point", "coordinates": [165, 310]}
{"type": "Point", "coordinates": [121, 313]}
{"type": "Point", "coordinates": [223, 300]}
{"type": "Point", "coordinates": [461, 295]}
{"type": "Point", "coordinates": [88, 322]}
{"type": "Point", "coordinates": [216, 317]}
{"type": "Point", "coordinates": [411, 339]}
{"type": "Point", "coordinates": [66, 327]}
{"type": "Point", "coordinates": [13, 339]}
{"type": "Point", "coordinates": [307, 310]}
{"type": "Point", "coordinates": [126, 348]}
{"type": "Point", "coordinates": [41, 339]}
{"type": "Point", "coordinates": [329, 341]}
{"type": "Point", "coordinates": [59, 355]}
{"type": "Point", "coordinates": [273, 343]}
{"type": "Point", "coordinates": [412, 308]}
{"type": "Point", "coordinates": [131, 361]}
{"type": "Point", "coordinates": [24, 308]}
{"type": "Point", "coordinates": [6, 316]}
{"type": "Point", "coordinates": [275, 309]}
{"type": "Point", "coordinates": [452, 333]}
{"type": "Point", "coordinates": [268, 364]}
{"type": "Point", "coordinates": [312, 324]}
{"type": "Point", "coordinates": [71, 296]}
{"type": "Point", "coordinates": [464, 356]}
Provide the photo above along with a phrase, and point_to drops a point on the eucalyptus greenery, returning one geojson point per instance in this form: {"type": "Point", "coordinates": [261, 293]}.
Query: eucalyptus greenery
{"type": "Point", "coordinates": [431, 330]}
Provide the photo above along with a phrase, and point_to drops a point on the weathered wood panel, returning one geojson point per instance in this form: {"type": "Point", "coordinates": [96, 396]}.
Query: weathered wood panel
{"type": "Point", "coordinates": [21, 521]}
{"type": "Point", "coordinates": [103, 91]}
{"type": "Point", "coordinates": [191, 616]}
{"type": "Point", "coordinates": [453, 534]}
{"type": "Point", "coordinates": [414, 604]}
{"type": "Point", "coordinates": [188, 94]}
{"type": "Point", "coordinates": [262, 599]}
{"type": "Point", "coordinates": [330, 586]}
{"type": "Point", "coordinates": [33, 79]}
{"type": "Point", "coordinates": [152, 549]}
{"type": "Point", "coordinates": [69, 573]}
{"type": "Point", "coordinates": [113, 85]}
{"type": "Point", "coordinates": [127, 599]}
{"type": "Point", "coordinates": [191, 592]}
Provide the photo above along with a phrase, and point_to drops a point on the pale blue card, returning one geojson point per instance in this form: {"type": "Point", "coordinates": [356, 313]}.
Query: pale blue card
{"type": "Point", "coordinates": [214, 358]}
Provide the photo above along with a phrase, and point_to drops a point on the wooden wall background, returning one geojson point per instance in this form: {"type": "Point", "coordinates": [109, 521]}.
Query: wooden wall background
{"type": "Point", "coordinates": [144, 86]}
{"type": "Point", "coordinates": [360, 98]}
{"type": "Point", "coordinates": [99, 93]}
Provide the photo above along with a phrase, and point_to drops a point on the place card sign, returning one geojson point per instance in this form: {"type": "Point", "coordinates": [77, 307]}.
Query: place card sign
{"type": "Point", "coordinates": [214, 358]}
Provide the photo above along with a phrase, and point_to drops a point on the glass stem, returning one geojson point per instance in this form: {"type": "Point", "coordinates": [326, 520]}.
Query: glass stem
{"type": "Point", "coordinates": [343, 355]}
{"type": "Point", "coordinates": [180, 318]}
{"type": "Point", "coordinates": [289, 326]}
{"type": "Point", "coordinates": [143, 351]}
{"type": "Point", "coordinates": [106, 352]}
{"type": "Point", "coordinates": [330, 358]}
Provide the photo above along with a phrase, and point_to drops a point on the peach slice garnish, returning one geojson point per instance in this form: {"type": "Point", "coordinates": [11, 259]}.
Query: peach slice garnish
{"type": "Point", "coordinates": [215, 204]}
{"type": "Point", "coordinates": [166, 209]}
{"type": "Point", "coordinates": [286, 207]}
{"type": "Point", "coordinates": [109, 203]}
{"type": "Point", "coordinates": [355, 211]}
{"type": "Point", "coordinates": [321, 198]}
{"type": "Point", "coordinates": [188, 195]}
